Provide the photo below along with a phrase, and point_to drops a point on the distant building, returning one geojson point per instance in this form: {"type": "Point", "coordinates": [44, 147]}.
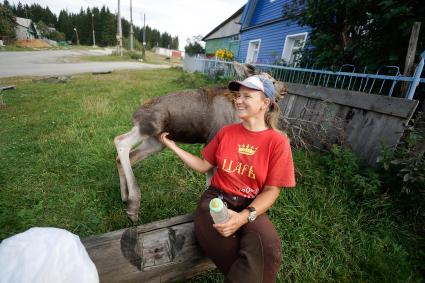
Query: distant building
{"type": "Point", "coordinates": [26, 29]}
{"type": "Point", "coordinates": [168, 52]}
{"type": "Point", "coordinates": [225, 35]}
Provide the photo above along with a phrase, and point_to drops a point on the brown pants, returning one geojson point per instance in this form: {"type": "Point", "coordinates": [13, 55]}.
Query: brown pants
{"type": "Point", "coordinates": [252, 254]}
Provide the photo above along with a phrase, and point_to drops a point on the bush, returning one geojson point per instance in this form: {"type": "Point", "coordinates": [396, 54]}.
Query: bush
{"type": "Point", "coordinates": [135, 55]}
{"type": "Point", "coordinates": [403, 173]}
{"type": "Point", "coordinates": [345, 168]}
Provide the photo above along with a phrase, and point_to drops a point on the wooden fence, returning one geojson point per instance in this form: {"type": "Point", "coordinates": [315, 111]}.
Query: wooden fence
{"type": "Point", "coordinates": [367, 121]}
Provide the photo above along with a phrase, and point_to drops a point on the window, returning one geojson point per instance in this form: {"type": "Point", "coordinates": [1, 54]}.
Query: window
{"type": "Point", "coordinates": [253, 50]}
{"type": "Point", "coordinates": [294, 43]}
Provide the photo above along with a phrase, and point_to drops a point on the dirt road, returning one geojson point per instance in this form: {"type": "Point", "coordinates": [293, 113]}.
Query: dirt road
{"type": "Point", "coordinates": [60, 62]}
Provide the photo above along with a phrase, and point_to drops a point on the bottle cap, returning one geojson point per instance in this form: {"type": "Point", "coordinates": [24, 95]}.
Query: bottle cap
{"type": "Point", "coordinates": [216, 205]}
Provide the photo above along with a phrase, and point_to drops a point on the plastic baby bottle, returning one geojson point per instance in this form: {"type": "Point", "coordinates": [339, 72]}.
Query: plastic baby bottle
{"type": "Point", "coordinates": [218, 211]}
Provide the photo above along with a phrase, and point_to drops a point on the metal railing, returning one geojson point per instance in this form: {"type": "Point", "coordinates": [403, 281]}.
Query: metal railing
{"type": "Point", "coordinates": [345, 78]}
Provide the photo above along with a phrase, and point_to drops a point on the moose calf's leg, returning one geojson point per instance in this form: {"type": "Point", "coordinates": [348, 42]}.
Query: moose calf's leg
{"type": "Point", "coordinates": [124, 143]}
{"type": "Point", "coordinates": [148, 147]}
{"type": "Point", "coordinates": [209, 176]}
{"type": "Point", "coordinates": [123, 182]}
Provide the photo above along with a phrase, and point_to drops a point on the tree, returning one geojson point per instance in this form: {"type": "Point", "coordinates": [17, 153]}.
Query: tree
{"type": "Point", "coordinates": [7, 27]}
{"type": "Point", "coordinates": [194, 48]}
{"type": "Point", "coordinates": [175, 43]}
{"type": "Point", "coordinates": [359, 32]}
{"type": "Point", "coordinates": [104, 22]}
{"type": "Point", "coordinates": [194, 45]}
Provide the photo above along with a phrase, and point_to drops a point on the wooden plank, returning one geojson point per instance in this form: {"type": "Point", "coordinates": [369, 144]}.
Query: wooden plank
{"type": "Point", "coordinates": [393, 106]}
{"type": "Point", "coordinates": [364, 131]}
{"type": "Point", "coordinates": [161, 251]}
{"type": "Point", "coordinates": [410, 56]}
{"type": "Point", "coordinates": [7, 87]}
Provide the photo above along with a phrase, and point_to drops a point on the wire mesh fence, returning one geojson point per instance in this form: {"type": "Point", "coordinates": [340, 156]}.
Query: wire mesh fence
{"type": "Point", "coordinates": [387, 80]}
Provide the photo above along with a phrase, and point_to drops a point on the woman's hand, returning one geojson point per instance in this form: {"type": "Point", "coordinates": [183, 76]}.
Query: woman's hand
{"type": "Point", "coordinates": [166, 141]}
{"type": "Point", "coordinates": [232, 225]}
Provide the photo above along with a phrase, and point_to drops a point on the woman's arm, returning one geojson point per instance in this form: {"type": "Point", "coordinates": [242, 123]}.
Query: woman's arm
{"type": "Point", "coordinates": [194, 162]}
{"type": "Point", "coordinates": [261, 203]}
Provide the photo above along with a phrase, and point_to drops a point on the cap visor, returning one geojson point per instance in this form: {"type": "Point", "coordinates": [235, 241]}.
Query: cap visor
{"type": "Point", "coordinates": [235, 85]}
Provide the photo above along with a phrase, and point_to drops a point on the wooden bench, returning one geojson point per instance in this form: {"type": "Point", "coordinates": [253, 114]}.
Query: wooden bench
{"type": "Point", "coordinates": [161, 251]}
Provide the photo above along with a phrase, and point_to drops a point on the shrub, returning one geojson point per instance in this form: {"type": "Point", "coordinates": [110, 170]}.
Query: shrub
{"type": "Point", "coordinates": [403, 172]}
{"type": "Point", "coordinates": [135, 55]}
{"type": "Point", "coordinates": [346, 169]}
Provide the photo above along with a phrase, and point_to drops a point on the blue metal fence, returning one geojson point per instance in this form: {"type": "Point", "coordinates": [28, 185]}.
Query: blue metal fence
{"type": "Point", "coordinates": [344, 78]}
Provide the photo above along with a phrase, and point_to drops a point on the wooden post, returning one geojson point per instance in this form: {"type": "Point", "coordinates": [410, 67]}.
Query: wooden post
{"type": "Point", "coordinates": [162, 251]}
{"type": "Point", "coordinates": [410, 56]}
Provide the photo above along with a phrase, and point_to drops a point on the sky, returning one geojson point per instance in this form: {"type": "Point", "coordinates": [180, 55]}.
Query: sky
{"type": "Point", "coordinates": [184, 18]}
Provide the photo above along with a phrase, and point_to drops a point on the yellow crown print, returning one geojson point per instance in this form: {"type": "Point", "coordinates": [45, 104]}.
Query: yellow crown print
{"type": "Point", "coordinates": [246, 149]}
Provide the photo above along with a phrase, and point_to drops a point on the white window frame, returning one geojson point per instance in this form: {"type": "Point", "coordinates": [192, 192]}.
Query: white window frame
{"type": "Point", "coordinates": [250, 53]}
{"type": "Point", "coordinates": [288, 47]}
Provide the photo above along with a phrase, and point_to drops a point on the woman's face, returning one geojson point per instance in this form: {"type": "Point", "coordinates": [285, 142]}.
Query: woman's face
{"type": "Point", "coordinates": [250, 103]}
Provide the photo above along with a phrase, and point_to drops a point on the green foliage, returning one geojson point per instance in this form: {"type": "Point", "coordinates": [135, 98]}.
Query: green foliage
{"type": "Point", "coordinates": [56, 35]}
{"type": "Point", "coordinates": [7, 27]}
{"type": "Point", "coordinates": [346, 169]}
{"type": "Point", "coordinates": [367, 32]}
{"type": "Point", "coordinates": [194, 48]}
{"type": "Point", "coordinates": [135, 55]}
{"type": "Point", "coordinates": [194, 80]}
{"type": "Point", "coordinates": [404, 172]}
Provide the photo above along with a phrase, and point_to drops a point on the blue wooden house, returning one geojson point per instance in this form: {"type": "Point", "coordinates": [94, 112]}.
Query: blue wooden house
{"type": "Point", "coordinates": [267, 37]}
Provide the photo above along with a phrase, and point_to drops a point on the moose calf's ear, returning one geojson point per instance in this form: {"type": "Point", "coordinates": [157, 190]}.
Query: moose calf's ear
{"type": "Point", "coordinates": [244, 70]}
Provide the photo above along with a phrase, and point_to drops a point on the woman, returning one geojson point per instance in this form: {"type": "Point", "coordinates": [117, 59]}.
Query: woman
{"type": "Point", "coordinates": [253, 161]}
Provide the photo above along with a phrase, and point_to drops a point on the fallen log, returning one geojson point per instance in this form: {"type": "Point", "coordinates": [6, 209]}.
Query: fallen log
{"type": "Point", "coordinates": [7, 87]}
{"type": "Point", "coordinates": [161, 251]}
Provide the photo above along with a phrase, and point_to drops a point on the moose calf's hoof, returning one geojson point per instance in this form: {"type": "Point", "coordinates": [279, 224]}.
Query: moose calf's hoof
{"type": "Point", "coordinates": [133, 217]}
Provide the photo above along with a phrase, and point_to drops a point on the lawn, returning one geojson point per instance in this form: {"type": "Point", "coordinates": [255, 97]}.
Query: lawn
{"type": "Point", "coordinates": [57, 168]}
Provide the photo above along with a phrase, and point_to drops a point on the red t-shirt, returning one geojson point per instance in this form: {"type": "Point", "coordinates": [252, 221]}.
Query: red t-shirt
{"type": "Point", "coordinates": [247, 161]}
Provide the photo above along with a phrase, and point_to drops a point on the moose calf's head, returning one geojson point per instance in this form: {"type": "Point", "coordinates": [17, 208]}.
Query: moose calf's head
{"type": "Point", "coordinates": [246, 70]}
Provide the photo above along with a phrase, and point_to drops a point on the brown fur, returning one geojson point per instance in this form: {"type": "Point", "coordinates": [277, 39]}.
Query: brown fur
{"type": "Point", "coordinates": [190, 116]}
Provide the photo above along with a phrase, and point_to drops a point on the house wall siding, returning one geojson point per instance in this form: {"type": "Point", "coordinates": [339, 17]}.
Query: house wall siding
{"type": "Point", "coordinates": [267, 11]}
{"type": "Point", "coordinates": [23, 34]}
{"type": "Point", "coordinates": [214, 44]}
{"type": "Point", "coordinates": [272, 40]}
{"type": "Point", "coordinates": [230, 28]}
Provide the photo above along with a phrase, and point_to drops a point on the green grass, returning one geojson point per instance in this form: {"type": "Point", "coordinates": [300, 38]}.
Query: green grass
{"type": "Point", "coordinates": [107, 58]}
{"type": "Point", "coordinates": [14, 47]}
{"type": "Point", "coordinates": [58, 169]}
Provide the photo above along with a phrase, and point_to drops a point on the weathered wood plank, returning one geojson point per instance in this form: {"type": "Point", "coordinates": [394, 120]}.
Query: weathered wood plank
{"type": "Point", "coordinates": [7, 87]}
{"type": "Point", "coordinates": [161, 251]}
{"type": "Point", "coordinates": [393, 106]}
{"type": "Point", "coordinates": [366, 124]}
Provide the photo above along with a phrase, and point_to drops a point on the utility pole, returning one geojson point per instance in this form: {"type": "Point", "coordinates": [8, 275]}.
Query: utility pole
{"type": "Point", "coordinates": [144, 37]}
{"type": "Point", "coordinates": [119, 30]}
{"type": "Point", "coordinates": [92, 27]}
{"type": "Point", "coordinates": [131, 25]}
{"type": "Point", "coordinates": [78, 40]}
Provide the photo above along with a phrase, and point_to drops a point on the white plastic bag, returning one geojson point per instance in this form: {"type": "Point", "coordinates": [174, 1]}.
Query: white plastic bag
{"type": "Point", "coordinates": [45, 255]}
